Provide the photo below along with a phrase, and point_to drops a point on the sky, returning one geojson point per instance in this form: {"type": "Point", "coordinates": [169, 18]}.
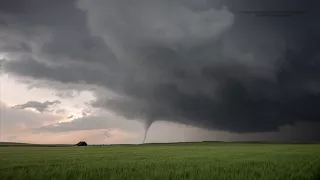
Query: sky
{"type": "Point", "coordinates": [122, 71]}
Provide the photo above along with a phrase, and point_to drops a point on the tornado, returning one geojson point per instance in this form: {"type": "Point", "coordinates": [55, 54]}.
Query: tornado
{"type": "Point", "coordinates": [147, 125]}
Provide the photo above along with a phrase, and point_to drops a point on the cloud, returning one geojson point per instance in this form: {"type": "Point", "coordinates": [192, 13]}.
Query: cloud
{"type": "Point", "coordinates": [14, 121]}
{"type": "Point", "coordinates": [200, 63]}
{"type": "Point", "coordinates": [27, 126]}
{"type": "Point", "coordinates": [67, 94]}
{"type": "Point", "coordinates": [22, 126]}
{"type": "Point", "coordinates": [39, 106]}
{"type": "Point", "coordinates": [92, 122]}
{"type": "Point", "coordinates": [61, 111]}
{"type": "Point", "coordinates": [169, 132]}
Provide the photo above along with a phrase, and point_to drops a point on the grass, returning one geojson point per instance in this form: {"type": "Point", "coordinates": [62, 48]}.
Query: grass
{"type": "Point", "coordinates": [173, 162]}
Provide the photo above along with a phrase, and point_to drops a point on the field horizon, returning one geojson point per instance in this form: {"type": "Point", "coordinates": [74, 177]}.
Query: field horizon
{"type": "Point", "coordinates": [202, 160]}
{"type": "Point", "coordinates": [156, 143]}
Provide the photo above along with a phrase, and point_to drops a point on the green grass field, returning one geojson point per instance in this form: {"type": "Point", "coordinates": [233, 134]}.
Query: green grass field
{"type": "Point", "coordinates": [177, 161]}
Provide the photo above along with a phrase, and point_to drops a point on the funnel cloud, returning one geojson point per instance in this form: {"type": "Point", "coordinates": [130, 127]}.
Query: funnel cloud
{"type": "Point", "coordinates": [205, 63]}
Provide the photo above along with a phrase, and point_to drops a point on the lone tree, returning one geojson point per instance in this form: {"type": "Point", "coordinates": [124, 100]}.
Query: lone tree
{"type": "Point", "coordinates": [81, 143]}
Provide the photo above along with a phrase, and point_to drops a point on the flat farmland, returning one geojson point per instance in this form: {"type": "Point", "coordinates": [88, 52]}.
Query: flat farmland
{"type": "Point", "coordinates": [162, 161]}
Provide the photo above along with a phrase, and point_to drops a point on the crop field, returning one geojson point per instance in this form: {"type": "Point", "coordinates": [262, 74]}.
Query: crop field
{"type": "Point", "coordinates": [162, 161]}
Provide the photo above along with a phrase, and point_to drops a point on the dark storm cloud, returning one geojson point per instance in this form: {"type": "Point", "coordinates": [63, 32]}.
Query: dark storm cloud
{"type": "Point", "coordinates": [39, 106]}
{"type": "Point", "coordinates": [202, 63]}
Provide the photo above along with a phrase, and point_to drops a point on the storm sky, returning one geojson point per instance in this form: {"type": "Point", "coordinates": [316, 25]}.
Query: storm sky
{"type": "Point", "coordinates": [222, 69]}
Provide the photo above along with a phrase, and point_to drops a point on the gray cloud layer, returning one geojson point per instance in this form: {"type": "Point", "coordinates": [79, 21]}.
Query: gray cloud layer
{"type": "Point", "coordinates": [202, 63]}
{"type": "Point", "coordinates": [92, 122]}
{"type": "Point", "coordinates": [39, 106]}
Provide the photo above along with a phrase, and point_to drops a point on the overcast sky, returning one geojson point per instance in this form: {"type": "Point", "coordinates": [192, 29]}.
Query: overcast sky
{"type": "Point", "coordinates": [108, 71]}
